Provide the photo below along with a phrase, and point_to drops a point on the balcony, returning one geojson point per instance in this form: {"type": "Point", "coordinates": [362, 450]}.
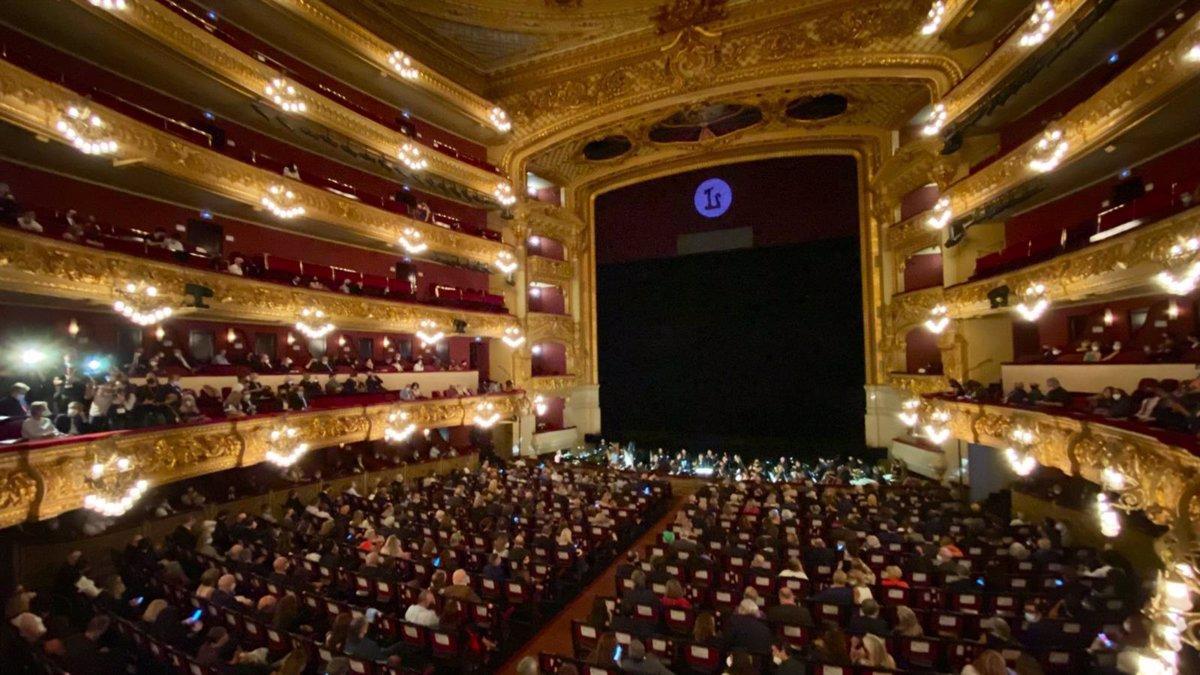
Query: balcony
{"type": "Point", "coordinates": [34, 104]}
{"type": "Point", "coordinates": [42, 479]}
{"type": "Point", "coordinates": [228, 60]}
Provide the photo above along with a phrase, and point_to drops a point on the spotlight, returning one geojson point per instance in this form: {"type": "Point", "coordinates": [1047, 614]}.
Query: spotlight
{"type": "Point", "coordinates": [32, 356]}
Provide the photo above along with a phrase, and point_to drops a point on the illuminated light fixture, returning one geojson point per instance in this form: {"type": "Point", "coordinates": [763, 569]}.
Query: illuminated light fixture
{"type": "Point", "coordinates": [535, 240]}
{"type": "Point", "coordinates": [1039, 25]}
{"type": "Point", "coordinates": [386, 342]}
{"type": "Point", "coordinates": [938, 320]}
{"type": "Point", "coordinates": [280, 202]}
{"type": "Point", "coordinates": [539, 405]}
{"type": "Point", "coordinates": [1021, 462]}
{"type": "Point", "coordinates": [110, 5]}
{"type": "Point", "coordinates": [937, 120]}
{"type": "Point", "coordinates": [410, 156]}
{"type": "Point", "coordinates": [499, 119]}
{"type": "Point", "coordinates": [314, 332]}
{"type": "Point", "coordinates": [1109, 317]}
{"type": "Point", "coordinates": [73, 328]}
{"type": "Point", "coordinates": [1173, 310]}
{"type": "Point", "coordinates": [231, 335]}
{"type": "Point", "coordinates": [428, 333]}
{"type": "Point", "coordinates": [1049, 151]}
{"type": "Point", "coordinates": [506, 262]}
{"type": "Point", "coordinates": [537, 349]}
{"type": "Point", "coordinates": [1193, 54]}
{"type": "Point", "coordinates": [936, 430]}
{"type": "Point", "coordinates": [513, 337]}
{"type": "Point", "coordinates": [909, 415]}
{"type": "Point", "coordinates": [403, 65]}
{"type": "Point", "coordinates": [536, 291]}
{"type": "Point", "coordinates": [139, 304]}
{"type": "Point", "coordinates": [504, 194]}
{"type": "Point", "coordinates": [941, 215]}
{"type": "Point", "coordinates": [412, 241]}
{"type": "Point", "coordinates": [341, 340]}
{"type": "Point", "coordinates": [291, 339]}
{"type": "Point", "coordinates": [1110, 522]}
{"type": "Point", "coordinates": [1112, 479]}
{"type": "Point", "coordinates": [1183, 269]}
{"type": "Point", "coordinates": [160, 334]}
{"type": "Point", "coordinates": [400, 427]}
{"type": "Point", "coordinates": [486, 415]}
{"type": "Point", "coordinates": [933, 20]}
{"type": "Point", "coordinates": [283, 94]}
{"type": "Point", "coordinates": [283, 450]}
{"type": "Point", "coordinates": [31, 356]}
{"type": "Point", "coordinates": [86, 131]}
{"type": "Point", "coordinates": [1034, 303]}
{"type": "Point", "coordinates": [114, 488]}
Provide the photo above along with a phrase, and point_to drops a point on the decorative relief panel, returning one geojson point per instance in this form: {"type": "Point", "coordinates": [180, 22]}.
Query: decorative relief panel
{"type": "Point", "coordinates": [35, 104]}
{"type": "Point", "coordinates": [558, 272]}
{"type": "Point", "coordinates": [42, 266]}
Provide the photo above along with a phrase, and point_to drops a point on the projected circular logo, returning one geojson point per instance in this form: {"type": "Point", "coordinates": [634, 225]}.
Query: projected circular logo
{"type": "Point", "coordinates": [713, 198]}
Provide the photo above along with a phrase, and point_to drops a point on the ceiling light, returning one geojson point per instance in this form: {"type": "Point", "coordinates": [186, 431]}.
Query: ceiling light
{"type": "Point", "coordinates": [85, 131]}
{"type": "Point", "coordinates": [1034, 302]}
{"type": "Point", "coordinates": [1049, 151]}
{"type": "Point", "coordinates": [410, 156]}
{"type": "Point", "coordinates": [313, 331]}
{"type": "Point", "coordinates": [412, 241]}
{"type": "Point", "coordinates": [938, 319]}
{"type": "Point", "coordinates": [499, 119]}
{"type": "Point", "coordinates": [428, 333]}
{"type": "Point", "coordinates": [1039, 25]}
{"type": "Point", "coordinates": [284, 95]}
{"type": "Point", "coordinates": [506, 262]}
{"type": "Point", "coordinates": [403, 64]}
{"type": "Point", "coordinates": [937, 120]}
{"type": "Point", "coordinates": [933, 20]}
{"type": "Point", "coordinates": [941, 215]}
{"type": "Point", "coordinates": [280, 201]}
{"type": "Point", "coordinates": [504, 194]}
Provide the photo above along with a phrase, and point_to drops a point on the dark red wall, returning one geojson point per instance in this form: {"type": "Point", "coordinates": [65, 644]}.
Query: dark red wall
{"type": "Point", "coordinates": [550, 300]}
{"type": "Point", "coordinates": [1054, 327]}
{"type": "Point", "coordinates": [923, 270]}
{"type": "Point", "coordinates": [551, 359]}
{"type": "Point", "coordinates": [786, 201]}
{"type": "Point", "coordinates": [920, 350]}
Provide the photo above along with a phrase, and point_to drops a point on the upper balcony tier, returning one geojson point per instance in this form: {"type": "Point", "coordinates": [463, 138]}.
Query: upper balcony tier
{"type": "Point", "coordinates": [319, 34]}
{"type": "Point", "coordinates": [157, 42]}
{"type": "Point", "coordinates": [160, 163]}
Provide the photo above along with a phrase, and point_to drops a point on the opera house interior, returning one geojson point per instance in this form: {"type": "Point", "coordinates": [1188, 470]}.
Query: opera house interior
{"type": "Point", "coordinates": [306, 307]}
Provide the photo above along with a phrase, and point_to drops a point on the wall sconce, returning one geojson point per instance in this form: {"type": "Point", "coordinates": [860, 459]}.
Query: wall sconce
{"type": "Point", "coordinates": [410, 156]}
{"type": "Point", "coordinates": [1039, 25]}
{"type": "Point", "coordinates": [1034, 303]}
{"type": "Point", "coordinates": [933, 20]}
{"type": "Point", "coordinates": [938, 319]}
{"type": "Point", "coordinates": [937, 120]}
{"type": "Point", "coordinates": [403, 65]}
{"type": "Point", "coordinates": [284, 95]}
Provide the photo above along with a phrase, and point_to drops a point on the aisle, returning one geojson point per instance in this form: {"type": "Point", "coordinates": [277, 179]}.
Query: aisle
{"type": "Point", "coordinates": [555, 637]}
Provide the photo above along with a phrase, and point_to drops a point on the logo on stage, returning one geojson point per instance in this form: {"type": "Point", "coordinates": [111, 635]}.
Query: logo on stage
{"type": "Point", "coordinates": [713, 198]}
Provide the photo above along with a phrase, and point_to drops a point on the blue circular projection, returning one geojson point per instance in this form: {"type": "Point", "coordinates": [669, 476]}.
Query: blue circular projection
{"type": "Point", "coordinates": [713, 198]}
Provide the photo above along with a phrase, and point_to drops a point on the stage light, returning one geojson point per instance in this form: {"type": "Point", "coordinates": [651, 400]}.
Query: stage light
{"type": "Point", "coordinates": [31, 356]}
{"type": "Point", "coordinates": [412, 241]}
{"type": "Point", "coordinates": [1049, 151]}
{"type": "Point", "coordinates": [403, 65]}
{"type": "Point", "coordinates": [941, 215]}
{"type": "Point", "coordinates": [500, 120]}
{"type": "Point", "coordinates": [428, 333]}
{"type": "Point", "coordinates": [1034, 303]}
{"type": "Point", "coordinates": [283, 94]}
{"type": "Point", "coordinates": [280, 201]}
{"type": "Point", "coordinates": [318, 331]}
{"type": "Point", "coordinates": [937, 120]}
{"type": "Point", "coordinates": [938, 319]}
{"type": "Point", "coordinates": [410, 156]}
{"type": "Point", "coordinates": [1039, 25]}
{"type": "Point", "coordinates": [933, 20]}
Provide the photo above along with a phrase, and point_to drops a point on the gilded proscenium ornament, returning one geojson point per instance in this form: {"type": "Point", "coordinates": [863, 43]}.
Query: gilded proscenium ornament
{"type": "Point", "coordinates": [551, 384]}
{"type": "Point", "coordinates": [556, 222]}
{"type": "Point", "coordinates": [1122, 103]}
{"type": "Point", "coordinates": [51, 268]}
{"type": "Point", "coordinates": [249, 75]}
{"type": "Point", "coordinates": [548, 270]}
{"type": "Point", "coordinates": [32, 103]}
{"type": "Point", "coordinates": [918, 384]}
{"type": "Point", "coordinates": [377, 51]}
{"type": "Point", "coordinates": [42, 483]}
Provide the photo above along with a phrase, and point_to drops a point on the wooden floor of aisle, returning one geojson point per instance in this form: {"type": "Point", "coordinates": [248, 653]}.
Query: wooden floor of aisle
{"type": "Point", "coordinates": [555, 637]}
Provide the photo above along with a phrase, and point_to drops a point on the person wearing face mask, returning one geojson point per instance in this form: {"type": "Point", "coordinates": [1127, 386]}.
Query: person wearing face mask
{"type": "Point", "coordinates": [19, 644]}
{"type": "Point", "coordinates": [1037, 633]}
{"type": "Point", "coordinates": [38, 424]}
{"type": "Point", "coordinates": [15, 405]}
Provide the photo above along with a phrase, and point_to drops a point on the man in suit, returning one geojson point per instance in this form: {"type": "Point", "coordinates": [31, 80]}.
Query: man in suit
{"type": "Point", "coordinates": [787, 611]}
{"type": "Point", "coordinates": [745, 631]}
{"type": "Point", "coordinates": [638, 595]}
{"type": "Point", "coordinates": [869, 621]}
{"type": "Point", "coordinates": [838, 593]}
{"type": "Point", "coordinates": [15, 405]}
{"type": "Point", "coordinates": [819, 555]}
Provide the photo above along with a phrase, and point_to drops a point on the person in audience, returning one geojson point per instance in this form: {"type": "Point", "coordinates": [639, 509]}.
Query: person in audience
{"type": "Point", "coordinates": [704, 631]}
{"type": "Point", "coordinates": [217, 648]}
{"type": "Point", "coordinates": [869, 621]}
{"type": "Point", "coordinates": [74, 422]}
{"type": "Point", "coordinates": [871, 651]}
{"type": "Point", "coordinates": [422, 612]}
{"type": "Point", "coordinates": [1018, 395]}
{"type": "Point", "coordinates": [745, 630]}
{"type": "Point", "coordinates": [674, 597]}
{"type": "Point", "coordinates": [907, 624]}
{"type": "Point", "coordinates": [838, 592]}
{"type": "Point", "coordinates": [360, 646]}
{"type": "Point", "coordinates": [237, 266]}
{"type": "Point", "coordinates": [831, 647]}
{"type": "Point", "coordinates": [528, 666]}
{"type": "Point", "coordinates": [460, 588]}
{"type": "Point", "coordinates": [787, 611]}
{"type": "Point", "coordinates": [237, 404]}
{"type": "Point", "coordinates": [28, 222]}
{"type": "Point", "coordinates": [38, 425]}
{"type": "Point", "coordinates": [636, 660]}
{"type": "Point", "coordinates": [786, 660]}
{"type": "Point", "coordinates": [1112, 402]}
{"type": "Point", "coordinates": [220, 358]}
{"type": "Point", "coordinates": [1055, 395]}
{"type": "Point", "coordinates": [989, 662]}
{"type": "Point", "coordinates": [15, 404]}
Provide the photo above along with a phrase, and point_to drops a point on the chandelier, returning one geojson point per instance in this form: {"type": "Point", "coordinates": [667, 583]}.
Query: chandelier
{"type": "Point", "coordinates": [486, 415]}
{"type": "Point", "coordinates": [410, 156]}
{"type": "Point", "coordinates": [403, 65]}
{"type": "Point", "coordinates": [937, 120]}
{"type": "Point", "coordinates": [941, 215]}
{"type": "Point", "coordinates": [1110, 521]}
{"type": "Point", "coordinates": [400, 426]}
{"type": "Point", "coordinates": [1193, 53]}
{"type": "Point", "coordinates": [933, 20]}
{"type": "Point", "coordinates": [86, 131]}
{"type": "Point", "coordinates": [280, 201]}
{"type": "Point", "coordinates": [1183, 268]}
{"type": "Point", "coordinates": [412, 241]}
{"type": "Point", "coordinates": [316, 332]}
{"type": "Point", "coordinates": [282, 448]}
{"type": "Point", "coordinates": [110, 5]}
{"type": "Point", "coordinates": [1034, 303]}
{"type": "Point", "coordinates": [1040, 23]}
{"type": "Point", "coordinates": [506, 262]}
{"type": "Point", "coordinates": [938, 319]}
{"type": "Point", "coordinates": [1049, 151]}
{"type": "Point", "coordinates": [139, 302]}
{"type": "Point", "coordinates": [936, 429]}
{"type": "Point", "coordinates": [539, 405]}
{"type": "Point", "coordinates": [113, 488]}
{"type": "Point", "coordinates": [428, 333]}
{"type": "Point", "coordinates": [1021, 461]}
{"type": "Point", "coordinates": [504, 194]}
{"type": "Point", "coordinates": [499, 119]}
{"type": "Point", "coordinates": [512, 337]}
{"type": "Point", "coordinates": [909, 415]}
{"type": "Point", "coordinates": [284, 95]}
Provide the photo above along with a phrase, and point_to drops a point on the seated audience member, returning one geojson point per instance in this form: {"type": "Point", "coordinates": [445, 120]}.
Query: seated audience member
{"type": "Point", "coordinates": [674, 597]}
{"type": "Point", "coordinates": [360, 646]}
{"type": "Point", "coordinates": [787, 611]}
{"type": "Point", "coordinates": [1018, 395]}
{"type": "Point", "coordinates": [871, 651]}
{"type": "Point", "coordinates": [15, 404]}
{"type": "Point", "coordinates": [220, 359]}
{"type": "Point", "coordinates": [74, 422]}
{"type": "Point", "coordinates": [1112, 402]}
{"type": "Point", "coordinates": [28, 222]}
{"type": "Point", "coordinates": [869, 621]}
{"type": "Point", "coordinates": [831, 647]}
{"type": "Point", "coordinates": [460, 588]}
{"type": "Point", "coordinates": [1055, 395]}
{"type": "Point", "coordinates": [838, 592]}
{"type": "Point", "coordinates": [744, 630]}
{"type": "Point", "coordinates": [636, 660]}
{"type": "Point", "coordinates": [38, 424]}
{"type": "Point", "coordinates": [907, 624]}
